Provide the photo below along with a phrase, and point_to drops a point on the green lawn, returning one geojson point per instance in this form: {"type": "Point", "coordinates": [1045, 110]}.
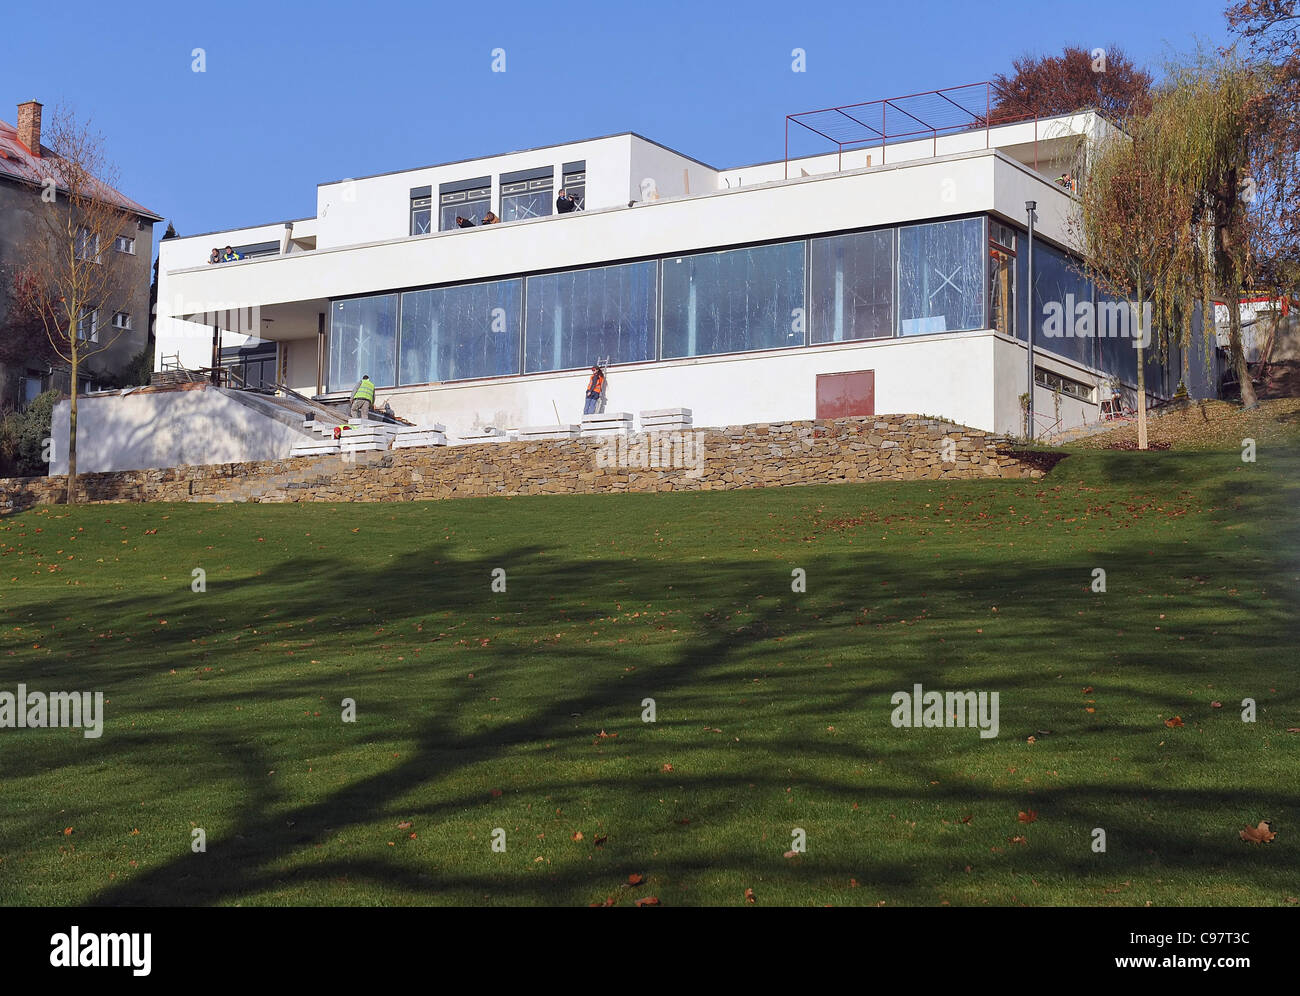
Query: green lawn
{"type": "Point", "coordinates": [479, 710]}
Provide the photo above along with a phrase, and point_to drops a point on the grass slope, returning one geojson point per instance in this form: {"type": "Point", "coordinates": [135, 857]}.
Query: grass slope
{"type": "Point", "coordinates": [479, 710]}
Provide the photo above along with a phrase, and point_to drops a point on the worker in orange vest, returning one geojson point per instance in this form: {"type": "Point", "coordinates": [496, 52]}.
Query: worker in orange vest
{"type": "Point", "coordinates": [595, 391]}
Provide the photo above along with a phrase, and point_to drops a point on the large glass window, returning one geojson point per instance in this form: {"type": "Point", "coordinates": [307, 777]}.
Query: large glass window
{"type": "Point", "coordinates": [1061, 326]}
{"type": "Point", "coordinates": [582, 316]}
{"type": "Point", "coordinates": [728, 302]}
{"type": "Point", "coordinates": [363, 340]}
{"type": "Point", "coordinates": [852, 286]}
{"type": "Point", "coordinates": [941, 277]}
{"type": "Point", "coordinates": [459, 333]}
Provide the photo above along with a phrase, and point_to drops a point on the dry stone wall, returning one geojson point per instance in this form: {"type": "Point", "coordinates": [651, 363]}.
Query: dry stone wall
{"type": "Point", "coordinates": [821, 451]}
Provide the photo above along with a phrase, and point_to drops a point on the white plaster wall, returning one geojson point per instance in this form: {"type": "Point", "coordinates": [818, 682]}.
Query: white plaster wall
{"type": "Point", "coordinates": [1012, 377]}
{"type": "Point", "coordinates": [949, 375]}
{"type": "Point", "coordinates": [166, 429]}
{"type": "Point", "coordinates": [302, 365]}
{"type": "Point", "coordinates": [666, 168]}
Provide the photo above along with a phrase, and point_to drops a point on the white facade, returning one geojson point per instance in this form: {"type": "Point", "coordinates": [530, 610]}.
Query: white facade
{"type": "Point", "coordinates": [360, 244]}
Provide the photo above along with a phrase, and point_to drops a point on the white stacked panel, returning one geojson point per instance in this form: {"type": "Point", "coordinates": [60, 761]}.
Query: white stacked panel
{"type": "Point", "coordinates": [607, 424]}
{"type": "Point", "coordinates": [409, 436]}
{"type": "Point", "coordinates": [531, 432]}
{"type": "Point", "coordinates": [326, 447]}
{"type": "Point", "coordinates": [665, 419]}
{"type": "Point", "coordinates": [487, 434]}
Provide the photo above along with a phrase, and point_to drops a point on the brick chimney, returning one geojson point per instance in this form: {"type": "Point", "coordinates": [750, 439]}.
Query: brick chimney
{"type": "Point", "coordinates": [29, 126]}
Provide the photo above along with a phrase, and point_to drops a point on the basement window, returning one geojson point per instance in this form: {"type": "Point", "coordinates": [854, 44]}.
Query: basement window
{"type": "Point", "coordinates": [1063, 385]}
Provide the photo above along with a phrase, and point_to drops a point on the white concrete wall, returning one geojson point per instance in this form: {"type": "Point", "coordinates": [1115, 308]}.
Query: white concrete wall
{"type": "Point", "coordinates": [1012, 377]}
{"type": "Point", "coordinates": [166, 429]}
{"type": "Point", "coordinates": [671, 172]}
{"type": "Point", "coordinates": [949, 375]}
{"type": "Point", "coordinates": [302, 365]}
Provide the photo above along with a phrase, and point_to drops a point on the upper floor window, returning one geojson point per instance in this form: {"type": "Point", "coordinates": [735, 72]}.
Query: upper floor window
{"type": "Point", "coordinates": [122, 320]}
{"type": "Point", "coordinates": [124, 244]}
{"type": "Point", "coordinates": [88, 325]}
{"type": "Point", "coordinates": [527, 194]}
{"type": "Point", "coordinates": [421, 210]}
{"type": "Point", "coordinates": [574, 184]}
{"type": "Point", "coordinates": [87, 246]}
{"type": "Point", "coordinates": [468, 199]}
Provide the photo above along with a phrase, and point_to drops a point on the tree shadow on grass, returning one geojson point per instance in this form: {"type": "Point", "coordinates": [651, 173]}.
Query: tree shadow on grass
{"type": "Point", "coordinates": [727, 674]}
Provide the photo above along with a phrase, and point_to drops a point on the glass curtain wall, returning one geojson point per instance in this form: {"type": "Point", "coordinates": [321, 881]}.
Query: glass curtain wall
{"type": "Point", "coordinates": [941, 277]}
{"type": "Point", "coordinates": [852, 286]}
{"type": "Point", "coordinates": [578, 317]}
{"type": "Point", "coordinates": [460, 333]}
{"type": "Point", "coordinates": [363, 340]}
{"type": "Point", "coordinates": [733, 301]}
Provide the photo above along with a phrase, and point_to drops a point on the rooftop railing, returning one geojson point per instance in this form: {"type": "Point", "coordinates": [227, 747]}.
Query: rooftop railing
{"type": "Point", "coordinates": [914, 117]}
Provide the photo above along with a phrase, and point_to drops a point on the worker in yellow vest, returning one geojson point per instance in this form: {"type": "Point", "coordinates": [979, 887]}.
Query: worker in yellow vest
{"type": "Point", "coordinates": [363, 398]}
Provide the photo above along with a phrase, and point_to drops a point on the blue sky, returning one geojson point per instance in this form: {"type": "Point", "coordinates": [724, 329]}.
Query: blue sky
{"type": "Point", "coordinates": [296, 93]}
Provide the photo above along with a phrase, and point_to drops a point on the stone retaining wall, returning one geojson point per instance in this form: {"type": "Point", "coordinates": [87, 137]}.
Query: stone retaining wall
{"type": "Point", "coordinates": [823, 451]}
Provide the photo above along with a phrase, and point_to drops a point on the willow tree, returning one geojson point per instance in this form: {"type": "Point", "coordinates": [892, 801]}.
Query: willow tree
{"type": "Point", "coordinates": [1131, 223]}
{"type": "Point", "coordinates": [1202, 135]}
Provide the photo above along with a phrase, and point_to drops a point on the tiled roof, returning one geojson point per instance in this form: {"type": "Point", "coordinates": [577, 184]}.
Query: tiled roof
{"type": "Point", "coordinates": [16, 163]}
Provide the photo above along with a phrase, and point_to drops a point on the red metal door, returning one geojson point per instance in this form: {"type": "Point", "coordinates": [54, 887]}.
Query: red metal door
{"type": "Point", "coordinates": [842, 394]}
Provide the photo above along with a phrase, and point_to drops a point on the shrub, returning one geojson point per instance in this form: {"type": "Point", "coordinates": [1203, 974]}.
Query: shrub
{"type": "Point", "coordinates": [23, 435]}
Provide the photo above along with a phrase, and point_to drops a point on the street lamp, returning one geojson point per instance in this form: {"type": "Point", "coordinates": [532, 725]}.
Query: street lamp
{"type": "Point", "coordinates": [1029, 321]}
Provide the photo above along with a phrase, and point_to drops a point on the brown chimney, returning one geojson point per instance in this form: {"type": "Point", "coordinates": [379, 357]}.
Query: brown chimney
{"type": "Point", "coordinates": [29, 126]}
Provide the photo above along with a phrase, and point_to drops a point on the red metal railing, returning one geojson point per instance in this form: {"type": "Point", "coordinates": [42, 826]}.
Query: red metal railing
{"type": "Point", "coordinates": [953, 110]}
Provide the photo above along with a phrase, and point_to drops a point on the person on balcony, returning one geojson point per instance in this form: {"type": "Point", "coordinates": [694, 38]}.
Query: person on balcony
{"type": "Point", "coordinates": [215, 256]}
{"type": "Point", "coordinates": [229, 255]}
{"type": "Point", "coordinates": [363, 398]}
{"type": "Point", "coordinates": [564, 203]}
{"type": "Point", "coordinates": [490, 219]}
{"type": "Point", "coordinates": [464, 222]}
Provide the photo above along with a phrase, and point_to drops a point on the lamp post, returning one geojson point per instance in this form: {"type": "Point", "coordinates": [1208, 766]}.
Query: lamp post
{"type": "Point", "coordinates": [1029, 322]}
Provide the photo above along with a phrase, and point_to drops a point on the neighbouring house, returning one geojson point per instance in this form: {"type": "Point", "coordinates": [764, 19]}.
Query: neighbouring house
{"type": "Point", "coordinates": [25, 373]}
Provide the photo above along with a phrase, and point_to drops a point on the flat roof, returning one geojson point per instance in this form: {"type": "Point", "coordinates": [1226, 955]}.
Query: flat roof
{"type": "Point", "coordinates": [515, 152]}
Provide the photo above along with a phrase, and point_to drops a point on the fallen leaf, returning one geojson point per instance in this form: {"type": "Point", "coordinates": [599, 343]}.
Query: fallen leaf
{"type": "Point", "coordinates": [1028, 817]}
{"type": "Point", "coordinates": [749, 895]}
{"type": "Point", "coordinates": [648, 901]}
{"type": "Point", "coordinates": [1216, 705]}
{"type": "Point", "coordinates": [790, 854]}
{"type": "Point", "coordinates": [635, 878]}
{"type": "Point", "coordinates": [578, 835]}
{"type": "Point", "coordinates": [404, 825]}
{"type": "Point", "coordinates": [1262, 834]}
{"type": "Point", "coordinates": [600, 841]}
{"type": "Point", "coordinates": [1175, 721]}
{"type": "Point", "coordinates": [667, 767]}
{"type": "Point", "coordinates": [67, 831]}
{"type": "Point", "coordinates": [1018, 840]}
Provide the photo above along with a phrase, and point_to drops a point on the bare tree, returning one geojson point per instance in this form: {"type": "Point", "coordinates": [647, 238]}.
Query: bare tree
{"type": "Point", "coordinates": [72, 279]}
